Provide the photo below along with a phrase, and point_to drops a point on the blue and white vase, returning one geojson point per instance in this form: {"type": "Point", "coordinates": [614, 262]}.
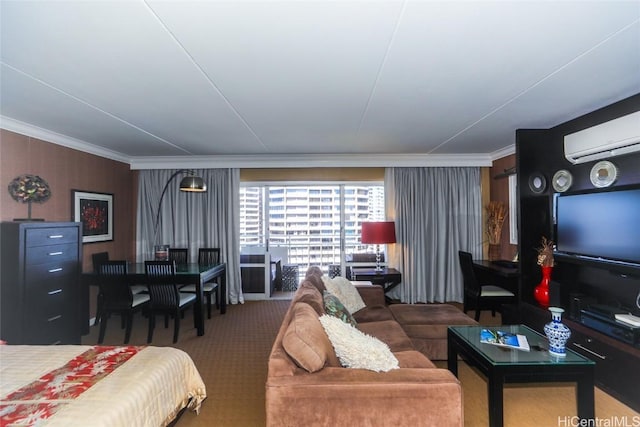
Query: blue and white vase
{"type": "Point", "coordinates": [557, 332]}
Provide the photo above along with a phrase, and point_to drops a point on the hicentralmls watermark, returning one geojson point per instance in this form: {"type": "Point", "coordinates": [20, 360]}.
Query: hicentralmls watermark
{"type": "Point", "coordinates": [615, 421]}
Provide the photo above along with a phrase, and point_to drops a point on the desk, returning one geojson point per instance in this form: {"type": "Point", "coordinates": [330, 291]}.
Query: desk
{"type": "Point", "coordinates": [388, 278]}
{"type": "Point", "coordinates": [502, 366]}
{"type": "Point", "coordinates": [189, 274]}
{"type": "Point", "coordinates": [489, 273]}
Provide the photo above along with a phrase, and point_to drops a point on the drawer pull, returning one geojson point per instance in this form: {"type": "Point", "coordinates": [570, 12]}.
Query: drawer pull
{"type": "Point", "coordinates": [589, 351]}
{"type": "Point", "coordinates": [55, 270]}
{"type": "Point", "coordinates": [57, 291]}
{"type": "Point", "coordinates": [55, 253]}
{"type": "Point", "coordinates": [57, 343]}
{"type": "Point", "coordinates": [56, 236]}
{"type": "Point", "coordinates": [51, 319]}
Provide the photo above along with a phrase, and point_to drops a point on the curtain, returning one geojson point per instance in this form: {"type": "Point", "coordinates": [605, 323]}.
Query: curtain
{"type": "Point", "coordinates": [437, 211]}
{"type": "Point", "coordinates": [192, 220]}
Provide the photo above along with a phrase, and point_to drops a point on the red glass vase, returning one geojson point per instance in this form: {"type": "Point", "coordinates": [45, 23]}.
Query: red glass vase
{"type": "Point", "coordinates": [541, 292]}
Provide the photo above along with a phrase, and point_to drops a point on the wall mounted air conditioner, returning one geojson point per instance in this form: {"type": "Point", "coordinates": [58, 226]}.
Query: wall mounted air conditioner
{"type": "Point", "coordinates": [613, 138]}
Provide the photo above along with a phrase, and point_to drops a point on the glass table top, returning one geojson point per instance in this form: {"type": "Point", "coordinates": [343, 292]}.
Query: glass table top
{"type": "Point", "coordinates": [191, 268]}
{"type": "Point", "coordinates": [538, 355]}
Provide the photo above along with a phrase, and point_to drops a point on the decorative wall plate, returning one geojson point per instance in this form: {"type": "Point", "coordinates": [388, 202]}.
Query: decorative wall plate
{"type": "Point", "coordinates": [537, 182]}
{"type": "Point", "coordinates": [603, 174]}
{"type": "Point", "coordinates": [562, 180]}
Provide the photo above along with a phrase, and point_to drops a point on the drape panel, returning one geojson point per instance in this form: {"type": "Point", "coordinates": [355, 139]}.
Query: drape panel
{"type": "Point", "coordinates": [193, 220]}
{"type": "Point", "coordinates": [437, 211]}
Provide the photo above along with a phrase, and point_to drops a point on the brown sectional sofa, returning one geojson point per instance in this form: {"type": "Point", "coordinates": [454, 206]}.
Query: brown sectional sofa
{"type": "Point", "coordinates": [306, 385]}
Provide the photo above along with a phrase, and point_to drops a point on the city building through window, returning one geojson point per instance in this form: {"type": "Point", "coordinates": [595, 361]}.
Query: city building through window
{"type": "Point", "coordinates": [312, 224]}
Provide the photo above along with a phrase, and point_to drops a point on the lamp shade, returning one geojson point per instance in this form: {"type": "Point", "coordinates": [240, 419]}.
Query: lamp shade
{"type": "Point", "coordinates": [193, 183]}
{"type": "Point", "coordinates": [378, 232]}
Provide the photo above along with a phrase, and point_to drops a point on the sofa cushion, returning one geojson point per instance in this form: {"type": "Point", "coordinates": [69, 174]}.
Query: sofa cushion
{"type": "Point", "coordinates": [314, 270]}
{"type": "Point", "coordinates": [371, 294]}
{"type": "Point", "coordinates": [345, 291]}
{"type": "Point", "coordinates": [390, 332]}
{"type": "Point", "coordinates": [373, 313]}
{"type": "Point", "coordinates": [335, 308]}
{"type": "Point", "coordinates": [413, 359]}
{"type": "Point", "coordinates": [356, 349]}
{"type": "Point", "coordinates": [309, 294]}
{"type": "Point", "coordinates": [306, 342]}
{"type": "Point", "coordinates": [316, 280]}
{"type": "Point", "coordinates": [429, 320]}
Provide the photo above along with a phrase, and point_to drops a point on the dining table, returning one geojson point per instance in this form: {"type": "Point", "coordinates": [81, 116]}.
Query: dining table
{"type": "Point", "coordinates": [186, 274]}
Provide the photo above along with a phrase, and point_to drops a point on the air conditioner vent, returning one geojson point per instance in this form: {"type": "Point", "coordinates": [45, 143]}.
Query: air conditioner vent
{"type": "Point", "coordinates": [609, 139]}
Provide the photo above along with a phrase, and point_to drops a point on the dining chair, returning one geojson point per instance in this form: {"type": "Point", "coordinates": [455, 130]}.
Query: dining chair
{"type": "Point", "coordinates": [481, 296]}
{"type": "Point", "coordinates": [166, 299]}
{"type": "Point", "coordinates": [207, 256]}
{"type": "Point", "coordinates": [97, 259]}
{"type": "Point", "coordinates": [117, 297]}
{"type": "Point", "coordinates": [179, 255]}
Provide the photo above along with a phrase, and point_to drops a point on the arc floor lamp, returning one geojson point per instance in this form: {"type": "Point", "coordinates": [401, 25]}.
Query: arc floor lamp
{"type": "Point", "coordinates": [190, 183]}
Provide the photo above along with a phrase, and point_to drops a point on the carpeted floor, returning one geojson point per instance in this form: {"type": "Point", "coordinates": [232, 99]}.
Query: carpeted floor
{"type": "Point", "coordinates": [232, 359]}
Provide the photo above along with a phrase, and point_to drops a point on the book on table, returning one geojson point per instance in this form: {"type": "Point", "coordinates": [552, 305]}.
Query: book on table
{"type": "Point", "coordinates": [504, 339]}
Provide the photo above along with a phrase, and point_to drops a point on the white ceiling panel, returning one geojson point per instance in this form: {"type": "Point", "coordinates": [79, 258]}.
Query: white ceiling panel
{"type": "Point", "coordinates": [495, 52]}
{"type": "Point", "coordinates": [300, 73]}
{"type": "Point", "coordinates": [63, 115]}
{"type": "Point", "coordinates": [191, 79]}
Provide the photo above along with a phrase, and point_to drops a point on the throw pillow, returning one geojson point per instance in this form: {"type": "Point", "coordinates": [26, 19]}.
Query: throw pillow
{"type": "Point", "coordinates": [305, 340]}
{"type": "Point", "coordinates": [356, 349]}
{"type": "Point", "coordinates": [335, 308]}
{"type": "Point", "coordinates": [346, 293]}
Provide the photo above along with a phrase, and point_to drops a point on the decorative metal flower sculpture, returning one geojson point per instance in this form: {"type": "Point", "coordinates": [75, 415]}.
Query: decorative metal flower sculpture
{"type": "Point", "coordinates": [29, 189]}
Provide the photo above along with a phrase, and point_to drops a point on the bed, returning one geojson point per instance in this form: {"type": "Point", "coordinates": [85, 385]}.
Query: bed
{"type": "Point", "coordinates": [96, 385]}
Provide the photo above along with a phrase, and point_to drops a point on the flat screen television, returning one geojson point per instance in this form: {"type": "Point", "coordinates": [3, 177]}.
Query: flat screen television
{"type": "Point", "coordinates": [602, 225]}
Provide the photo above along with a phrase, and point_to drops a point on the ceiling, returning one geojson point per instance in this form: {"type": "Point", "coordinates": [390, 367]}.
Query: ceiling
{"type": "Point", "coordinates": [366, 82]}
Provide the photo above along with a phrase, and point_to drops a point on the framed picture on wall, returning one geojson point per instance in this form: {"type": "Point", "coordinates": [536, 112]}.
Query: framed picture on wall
{"type": "Point", "coordinates": [95, 212]}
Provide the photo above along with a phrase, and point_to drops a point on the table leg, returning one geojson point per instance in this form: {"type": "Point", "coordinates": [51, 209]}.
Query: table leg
{"type": "Point", "coordinates": [198, 309]}
{"type": "Point", "coordinates": [223, 292]}
{"type": "Point", "coordinates": [495, 388]}
{"type": "Point", "coordinates": [585, 396]}
{"type": "Point", "coordinates": [452, 357]}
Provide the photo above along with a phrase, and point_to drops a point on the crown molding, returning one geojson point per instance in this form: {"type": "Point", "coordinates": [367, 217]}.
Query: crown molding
{"type": "Point", "coordinates": [503, 152]}
{"type": "Point", "coordinates": [263, 161]}
{"type": "Point", "coordinates": [59, 139]}
{"type": "Point", "coordinates": [266, 161]}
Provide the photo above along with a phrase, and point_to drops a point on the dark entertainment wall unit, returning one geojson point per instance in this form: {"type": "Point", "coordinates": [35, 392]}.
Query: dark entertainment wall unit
{"type": "Point", "coordinates": [540, 152]}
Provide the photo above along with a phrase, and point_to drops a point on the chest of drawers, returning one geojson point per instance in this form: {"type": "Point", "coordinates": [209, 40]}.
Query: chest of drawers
{"type": "Point", "coordinates": [39, 287]}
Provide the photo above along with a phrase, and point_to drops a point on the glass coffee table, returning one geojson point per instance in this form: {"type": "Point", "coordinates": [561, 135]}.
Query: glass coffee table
{"type": "Point", "coordinates": [505, 365]}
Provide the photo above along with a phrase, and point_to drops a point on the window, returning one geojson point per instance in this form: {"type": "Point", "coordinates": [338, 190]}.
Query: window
{"type": "Point", "coordinates": [318, 224]}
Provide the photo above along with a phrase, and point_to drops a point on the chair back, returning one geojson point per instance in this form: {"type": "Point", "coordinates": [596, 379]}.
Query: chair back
{"type": "Point", "coordinates": [179, 255]}
{"type": "Point", "coordinates": [97, 259]}
{"type": "Point", "coordinates": [114, 285]}
{"type": "Point", "coordinates": [163, 290]}
{"type": "Point", "coordinates": [208, 256]}
{"type": "Point", "coordinates": [471, 285]}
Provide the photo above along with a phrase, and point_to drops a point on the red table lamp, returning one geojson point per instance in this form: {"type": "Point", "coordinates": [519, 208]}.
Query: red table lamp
{"type": "Point", "coordinates": [378, 233]}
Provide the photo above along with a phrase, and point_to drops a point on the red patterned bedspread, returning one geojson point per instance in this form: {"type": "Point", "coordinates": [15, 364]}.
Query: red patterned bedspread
{"type": "Point", "coordinates": [97, 386]}
{"type": "Point", "coordinates": [40, 399]}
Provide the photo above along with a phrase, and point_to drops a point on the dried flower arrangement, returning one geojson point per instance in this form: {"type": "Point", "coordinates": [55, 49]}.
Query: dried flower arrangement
{"type": "Point", "coordinates": [545, 253]}
{"type": "Point", "coordinates": [496, 214]}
